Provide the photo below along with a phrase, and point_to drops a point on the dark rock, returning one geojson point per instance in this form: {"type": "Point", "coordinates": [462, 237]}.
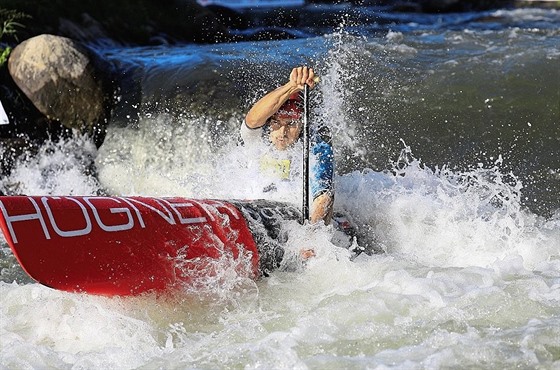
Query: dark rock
{"type": "Point", "coordinates": [25, 121]}
{"type": "Point", "coordinates": [10, 151]}
{"type": "Point", "coordinates": [120, 22]}
{"type": "Point", "coordinates": [58, 76]}
{"type": "Point", "coordinates": [86, 29]}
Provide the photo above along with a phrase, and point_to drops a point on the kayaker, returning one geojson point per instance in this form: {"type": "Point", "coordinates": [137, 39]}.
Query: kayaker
{"type": "Point", "coordinates": [277, 120]}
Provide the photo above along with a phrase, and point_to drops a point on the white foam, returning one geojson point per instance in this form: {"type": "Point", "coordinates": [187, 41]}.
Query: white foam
{"type": "Point", "coordinates": [469, 277]}
{"type": "Point", "coordinates": [463, 257]}
{"type": "Point", "coordinates": [442, 218]}
{"type": "Point", "coordinates": [59, 168]}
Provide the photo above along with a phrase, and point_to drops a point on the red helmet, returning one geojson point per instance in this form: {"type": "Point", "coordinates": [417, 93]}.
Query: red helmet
{"type": "Point", "coordinates": [292, 108]}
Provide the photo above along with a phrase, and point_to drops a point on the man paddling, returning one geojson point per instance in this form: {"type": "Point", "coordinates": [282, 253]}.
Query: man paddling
{"type": "Point", "coordinates": [276, 119]}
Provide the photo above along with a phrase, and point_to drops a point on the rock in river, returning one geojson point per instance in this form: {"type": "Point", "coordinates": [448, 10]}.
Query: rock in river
{"type": "Point", "coordinates": [57, 74]}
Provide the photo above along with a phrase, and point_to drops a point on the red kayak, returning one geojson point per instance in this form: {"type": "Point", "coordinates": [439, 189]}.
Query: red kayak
{"type": "Point", "coordinates": [132, 245]}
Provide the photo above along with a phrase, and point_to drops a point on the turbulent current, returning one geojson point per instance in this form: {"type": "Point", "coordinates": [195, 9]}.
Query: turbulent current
{"type": "Point", "coordinates": [447, 144]}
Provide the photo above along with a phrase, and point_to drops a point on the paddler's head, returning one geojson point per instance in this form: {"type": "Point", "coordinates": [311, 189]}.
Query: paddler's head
{"type": "Point", "coordinates": [286, 124]}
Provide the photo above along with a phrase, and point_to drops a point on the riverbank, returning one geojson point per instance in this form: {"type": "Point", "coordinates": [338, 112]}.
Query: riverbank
{"type": "Point", "coordinates": [150, 22]}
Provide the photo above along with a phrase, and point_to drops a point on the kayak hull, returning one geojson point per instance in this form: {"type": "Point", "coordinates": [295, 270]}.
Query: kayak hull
{"type": "Point", "coordinates": [123, 245]}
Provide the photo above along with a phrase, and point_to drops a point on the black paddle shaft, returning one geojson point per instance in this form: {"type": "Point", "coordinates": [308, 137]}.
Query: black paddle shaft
{"type": "Point", "coordinates": [305, 128]}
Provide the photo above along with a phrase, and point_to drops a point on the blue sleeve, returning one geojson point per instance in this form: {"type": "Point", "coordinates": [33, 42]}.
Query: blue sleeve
{"type": "Point", "coordinates": [322, 172]}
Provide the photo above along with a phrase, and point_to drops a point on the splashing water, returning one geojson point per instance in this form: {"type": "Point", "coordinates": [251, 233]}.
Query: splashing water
{"type": "Point", "coordinates": [468, 277]}
{"type": "Point", "coordinates": [445, 218]}
{"type": "Point", "coordinates": [64, 167]}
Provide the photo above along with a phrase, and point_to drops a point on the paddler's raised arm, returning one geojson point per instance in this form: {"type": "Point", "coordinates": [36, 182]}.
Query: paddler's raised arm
{"type": "Point", "coordinates": [269, 104]}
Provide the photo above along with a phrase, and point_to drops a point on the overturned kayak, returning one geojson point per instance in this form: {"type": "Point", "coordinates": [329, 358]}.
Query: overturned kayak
{"type": "Point", "coordinates": [132, 245]}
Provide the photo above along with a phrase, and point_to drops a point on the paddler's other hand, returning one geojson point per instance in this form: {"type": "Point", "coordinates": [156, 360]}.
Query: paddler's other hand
{"type": "Point", "coordinates": [302, 75]}
{"type": "Point", "coordinates": [306, 254]}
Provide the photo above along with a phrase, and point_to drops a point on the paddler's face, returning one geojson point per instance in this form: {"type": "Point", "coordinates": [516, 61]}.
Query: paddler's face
{"type": "Point", "coordinates": [284, 131]}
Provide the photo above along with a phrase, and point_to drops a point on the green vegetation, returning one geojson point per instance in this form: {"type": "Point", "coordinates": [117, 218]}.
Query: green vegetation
{"type": "Point", "coordinates": [8, 27]}
{"type": "Point", "coordinates": [8, 19]}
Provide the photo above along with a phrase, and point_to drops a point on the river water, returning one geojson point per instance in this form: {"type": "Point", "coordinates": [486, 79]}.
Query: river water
{"type": "Point", "coordinates": [447, 136]}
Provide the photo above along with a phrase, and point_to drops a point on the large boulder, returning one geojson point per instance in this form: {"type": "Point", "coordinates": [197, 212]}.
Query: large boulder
{"type": "Point", "coordinates": [59, 77]}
